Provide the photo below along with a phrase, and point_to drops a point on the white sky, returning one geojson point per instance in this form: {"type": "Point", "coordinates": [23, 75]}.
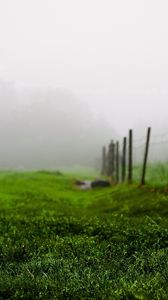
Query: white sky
{"type": "Point", "coordinates": [111, 53]}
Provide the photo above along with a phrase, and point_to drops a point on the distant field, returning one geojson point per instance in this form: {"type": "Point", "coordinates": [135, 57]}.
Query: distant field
{"type": "Point", "coordinates": [58, 242]}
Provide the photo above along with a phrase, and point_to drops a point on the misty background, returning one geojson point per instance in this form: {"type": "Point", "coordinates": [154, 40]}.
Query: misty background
{"type": "Point", "coordinates": [75, 74]}
{"type": "Point", "coordinates": [50, 129]}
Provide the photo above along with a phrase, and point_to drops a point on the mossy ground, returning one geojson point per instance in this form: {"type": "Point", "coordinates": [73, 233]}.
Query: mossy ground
{"type": "Point", "coordinates": [58, 242]}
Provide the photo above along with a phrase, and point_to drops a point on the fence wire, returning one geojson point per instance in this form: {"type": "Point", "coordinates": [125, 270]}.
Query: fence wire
{"type": "Point", "coordinates": [157, 162]}
{"type": "Point", "coordinates": [157, 166]}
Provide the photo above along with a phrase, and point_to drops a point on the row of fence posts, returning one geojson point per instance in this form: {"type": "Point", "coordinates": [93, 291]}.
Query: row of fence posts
{"type": "Point", "coordinates": [119, 164]}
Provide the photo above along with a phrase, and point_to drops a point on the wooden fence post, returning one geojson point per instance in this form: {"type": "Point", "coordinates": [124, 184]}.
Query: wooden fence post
{"type": "Point", "coordinates": [124, 159]}
{"type": "Point", "coordinates": [145, 156]}
{"type": "Point", "coordinates": [113, 162]}
{"type": "Point", "coordinates": [109, 158]}
{"type": "Point", "coordinates": [110, 166]}
{"type": "Point", "coordinates": [130, 160]}
{"type": "Point", "coordinates": [107, 163]}
{"type": "Point", "coordinates": [117, 162]}
{"type": "Point", "coordinates": [103, 170]}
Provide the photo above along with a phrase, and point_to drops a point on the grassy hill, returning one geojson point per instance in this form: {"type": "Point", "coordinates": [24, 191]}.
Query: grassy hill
{"type": "Point", "coordinates": [58, 242]}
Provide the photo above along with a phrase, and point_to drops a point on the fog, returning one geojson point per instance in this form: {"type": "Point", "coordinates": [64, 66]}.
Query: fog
{"type": "Point", "coordinates": [51, 128]}
{"type": "Point", "coordinates": [75, 74]}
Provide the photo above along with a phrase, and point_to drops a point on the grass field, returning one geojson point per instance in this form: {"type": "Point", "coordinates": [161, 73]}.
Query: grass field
{"type": "Point", "coordinates": [156, 175]}
{"type": "Point", "coordinates": [58, 242]}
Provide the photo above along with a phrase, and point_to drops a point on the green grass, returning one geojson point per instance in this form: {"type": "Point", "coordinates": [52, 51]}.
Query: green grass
{"type": "Point", "coordinates": [58, 242]}
{"type": "Point", "coordinates": [156, 174]}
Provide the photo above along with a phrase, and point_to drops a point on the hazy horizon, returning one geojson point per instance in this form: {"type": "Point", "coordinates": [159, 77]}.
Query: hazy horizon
{"type": "Point", "coordinates": [110, 55]}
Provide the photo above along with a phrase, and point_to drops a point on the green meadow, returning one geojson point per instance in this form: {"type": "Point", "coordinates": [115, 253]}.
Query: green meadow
{"type": "Point", "coordinates": [58, 242]}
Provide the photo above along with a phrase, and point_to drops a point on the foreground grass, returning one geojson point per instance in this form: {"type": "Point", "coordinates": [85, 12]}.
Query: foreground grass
{"type": "Point", "coordinates": [58, 242]}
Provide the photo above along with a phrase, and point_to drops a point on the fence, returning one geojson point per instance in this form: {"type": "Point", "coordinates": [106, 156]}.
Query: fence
{"type": "Point", "coordinates": [137, 160]}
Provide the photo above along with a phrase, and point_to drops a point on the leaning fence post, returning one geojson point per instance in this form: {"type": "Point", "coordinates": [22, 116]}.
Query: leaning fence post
{"type": "Point", "coordinates": [103, 171]}
{"type": "Point", "coordinates": [145, 156]}
{"type": "Point", "coordinates": [117, 162]}
{"type": "Point", "coordinates": [124, 159]}
{"type": "Point", "coordinates": [130, 160]}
